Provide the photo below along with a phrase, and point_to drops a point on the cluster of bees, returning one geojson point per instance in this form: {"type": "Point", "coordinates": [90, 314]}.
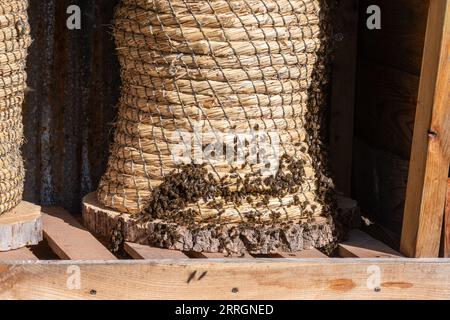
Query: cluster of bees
{"type": "Point", "coordinates": [193, 183]}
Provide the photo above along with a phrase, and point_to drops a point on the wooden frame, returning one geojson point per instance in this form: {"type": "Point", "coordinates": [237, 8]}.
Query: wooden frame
{"type": "Point", "coordinates": [429, 167]}
{"type": "Point", "coordinates": [374, 271]}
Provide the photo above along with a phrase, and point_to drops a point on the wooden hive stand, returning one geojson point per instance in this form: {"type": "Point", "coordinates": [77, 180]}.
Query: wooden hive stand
{"type": "Point", "coordinates": [152, 273]}
{"type": "Point", "coordinates": [103, 221]}
{"type": "Point", "coordinates": [21, 227]}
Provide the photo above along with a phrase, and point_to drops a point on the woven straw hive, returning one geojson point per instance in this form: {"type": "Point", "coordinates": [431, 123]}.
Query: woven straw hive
{"type": "Point", "coordinates": [217, 75]}
{"type": "Point", "coordinates": [14, 42]}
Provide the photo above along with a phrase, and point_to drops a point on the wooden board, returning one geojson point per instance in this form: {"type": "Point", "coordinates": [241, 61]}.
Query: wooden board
{"type": "Point", "coordinates": [427, 183]}
{"type": "Point", "coordinates": [69, 239]}
{"type": "Point", "coordinates": [97, 218]}
{"type": "Point", "coordinates": [200, 279]}
{"type": "Point", "coordinates": [21, 227]}
{"type": "Point", "coordinates": [22, 254]}
{"type": "Point", "coordinates": [361, 245]}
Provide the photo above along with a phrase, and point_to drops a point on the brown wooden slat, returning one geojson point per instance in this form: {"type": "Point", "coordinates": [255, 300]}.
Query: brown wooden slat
{"type": "Point", "coordinates": [138, 251]}
{"type": "Point", "coordinates": [447, 223]}
{"type": "Point", "coordinates": [20, 227]}
{"type": "Point", "coordinates": [69, 239]}
{"type": "Point", "coordinates": [428, 172]}
{"type": "Point", "coordinates": [230, 279]}
{"type": "Point", "coordinates": [361, 245]}
{"type": "Point", "coordinates": [18, 255]}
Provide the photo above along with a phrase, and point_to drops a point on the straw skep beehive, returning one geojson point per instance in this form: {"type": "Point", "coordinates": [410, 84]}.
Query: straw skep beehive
{"type": "Point", "coordinates": [14, 42]}
{"type": "Point", "coordinates": [218, 142]}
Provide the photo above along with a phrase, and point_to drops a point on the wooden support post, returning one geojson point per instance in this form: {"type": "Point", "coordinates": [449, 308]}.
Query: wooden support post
{"type": "Point", "coordinates": [429, 166]}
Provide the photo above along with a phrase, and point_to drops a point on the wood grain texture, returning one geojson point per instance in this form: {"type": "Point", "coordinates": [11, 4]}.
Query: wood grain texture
{"type": "Point", "coordinates": [399, 42]}
{"type": "Point", "coordinates": [343, 92]}
{"type": "Point", "coordinates": [201, 279]}
{"type": "Point", "coordinates": [446, 238]}
{"type": "Point", "coordinates": [69, 239]}
{"type": "Point", "coordinates": [361, 245]}
{"type": "Point", "coordinates": [429, 166]}
{"type": "Point", "coordinates": [21, 227]}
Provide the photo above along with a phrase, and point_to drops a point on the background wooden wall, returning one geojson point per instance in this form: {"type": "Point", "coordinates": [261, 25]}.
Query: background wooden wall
{"type": "Point", "coordinates": [73, 88]}
{"type": "Point", "coordinates": [388, 72]}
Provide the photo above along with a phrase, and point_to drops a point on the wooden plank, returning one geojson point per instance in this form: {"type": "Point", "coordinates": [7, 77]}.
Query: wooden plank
{"type": "Point", "coordinates": [23, 254]}
{"type": "Point", "coordinates": [386, 104]}
{"type": "Point", "coordinates": [343, 92]}
{"type": "Point", "coordinates": [425, 198]}
{"type": "Point", "coordinates": [102, 221]}
{"type": "Point", "coordinates": [361, 245]}
{"type": "Point", "coordinates": [399, 42]}
{"type": "Point", "coordinates": [199, 279]}
{"type": "Point", "coordinates": [207, 255]}
{"type": "Point", "coordinates": [139, 251]}
{"type": "Point", "coordinates": [69, 239]}
{"type": "Point", "coordinates": [385, 235]}
{"type": "Point", "coordinates": [447, 223]}
{"type": "Point", "coordinates": [21, 227]}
